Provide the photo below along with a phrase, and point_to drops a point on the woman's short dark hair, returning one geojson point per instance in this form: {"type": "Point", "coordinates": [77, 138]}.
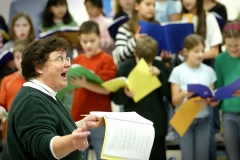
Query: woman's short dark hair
{"type": "Point", "coordinates": [37, 53]}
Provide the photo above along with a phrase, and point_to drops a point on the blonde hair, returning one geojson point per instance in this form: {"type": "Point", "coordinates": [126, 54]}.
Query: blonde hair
{"type": "Point", "coordinates": [192, 41]}
{"type": "Point", "coordinates": [116, 6]}
{"type": "Point", "coordinates": [133, 22]}
{"type": "Point", "coordinates": [20, 45]}
{"type": "Point", "coordinates": [146, 48]}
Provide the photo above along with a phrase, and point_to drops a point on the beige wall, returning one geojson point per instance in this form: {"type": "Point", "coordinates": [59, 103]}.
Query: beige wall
{"type": "Point", "coordinates": [4, 8]}
{"type": "Point", "coordinates": [233, 8]}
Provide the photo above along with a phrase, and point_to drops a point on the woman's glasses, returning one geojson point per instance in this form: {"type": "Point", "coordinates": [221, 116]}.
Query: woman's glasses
{"type": "Point", "coordinates": [61, 60]}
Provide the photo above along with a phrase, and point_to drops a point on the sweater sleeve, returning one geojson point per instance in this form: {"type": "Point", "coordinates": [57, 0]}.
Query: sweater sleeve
{"type": "Point", "coordinates": [125, 44]}
{"type": "Point", "coordinates": [108, 69]}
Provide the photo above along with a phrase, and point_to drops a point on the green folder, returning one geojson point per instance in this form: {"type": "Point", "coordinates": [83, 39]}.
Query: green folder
{"type": "Point", "coordinates": [79, 70]}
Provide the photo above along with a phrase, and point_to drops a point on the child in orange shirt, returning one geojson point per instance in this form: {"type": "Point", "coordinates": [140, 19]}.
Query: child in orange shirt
{"type": "Point", "coordinates": [92, 96]}
{"type": "Point", "coordinates": [11, 84]}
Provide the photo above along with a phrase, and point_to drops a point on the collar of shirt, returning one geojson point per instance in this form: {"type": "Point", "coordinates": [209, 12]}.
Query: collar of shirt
{"type": "Point", "coordinates": [42, 87]}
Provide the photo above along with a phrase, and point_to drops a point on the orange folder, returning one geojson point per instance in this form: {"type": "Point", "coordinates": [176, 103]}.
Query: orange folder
{"type": "Point", "coordinates": [185, 115]}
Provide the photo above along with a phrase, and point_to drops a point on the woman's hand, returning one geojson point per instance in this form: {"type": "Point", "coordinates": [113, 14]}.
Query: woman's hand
{"type": "Point", "coordinates": [78, 81]}
{"type": "Point", "coordinates": [128, 92]}
{"type": "Point", "coordinates": [92, 121]}
{"type": "Point", "coordinates": [79, 138]}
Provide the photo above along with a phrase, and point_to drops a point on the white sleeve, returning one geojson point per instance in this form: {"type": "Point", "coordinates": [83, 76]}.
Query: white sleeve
{"type": "Point", "coordinates": [51, 147]}
{"type": "Point", "coordinates": [214, 35]}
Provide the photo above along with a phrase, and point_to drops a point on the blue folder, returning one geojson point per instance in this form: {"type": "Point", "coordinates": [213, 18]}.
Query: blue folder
{"type": "Point", "coordinates": [218, 94]}
{"type": "Point", "coordinates": [170, 36]}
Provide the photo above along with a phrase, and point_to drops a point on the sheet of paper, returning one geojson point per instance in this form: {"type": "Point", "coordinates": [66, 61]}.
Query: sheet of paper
{"type": "Point", "coordinates": [185, 115]}
{"type": "Point", "coordinates": [127, 140]}
{"type": "Point", "coordinates": [126, 116]}
{"type": "Point", "coordinates": [141, 81]}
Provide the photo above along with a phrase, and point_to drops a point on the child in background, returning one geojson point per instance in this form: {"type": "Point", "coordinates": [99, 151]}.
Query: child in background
{"type": "Point", "coordinates": [205, 25]}
{"type": "Point", "coordinates": [214, 6]}
{"type": "Point", "coordinates": [129, 32]}
{"type": "Point", "coordinates": [56, 15]}
{"type": "Point", "coordinates": [152, 106]}
{"type": "Point", "coordinates": [122, 8]}
{"type": "Point", "coordinates": [195, 142]}
{"type": "Point", "coordinates": [92, 96]}
{"type": "Point", "coordinates": [21, 28]}
{"type": "Point", "coordinates": [12, 83]}
{"type": "Point", "coordinates": [226, 74]}
{"type": "Point", "coordinates": [95, 12]}
{"type": "Point", "coordinates": [167, 10]}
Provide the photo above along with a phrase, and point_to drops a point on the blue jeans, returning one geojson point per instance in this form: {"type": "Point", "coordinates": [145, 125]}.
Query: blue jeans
{"type": "Point", "coordinates": [96, 141]}
{"type": "Point", "coordinates": [231, 133]}
{"type": "Point", "coordinates": [215, 128]}
{"type": "Point", "coordinates": [195, 142]}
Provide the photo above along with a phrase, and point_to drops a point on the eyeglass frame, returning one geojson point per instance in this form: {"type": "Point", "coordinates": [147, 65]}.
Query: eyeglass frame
{"type": "Point", "coordinates": [61, 60]}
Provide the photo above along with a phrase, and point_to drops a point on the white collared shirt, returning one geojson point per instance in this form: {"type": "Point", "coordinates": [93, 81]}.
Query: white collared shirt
{"type": "Point", "coordinates": [42, 87]}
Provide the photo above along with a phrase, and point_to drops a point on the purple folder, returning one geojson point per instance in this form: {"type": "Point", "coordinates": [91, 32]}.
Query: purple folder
{"type": "Point", "coordinates": [227, 91]}
{"type": "Point", "coordinates": [218, 94]}
{"type": "Point", "coordinates": [200, 90]}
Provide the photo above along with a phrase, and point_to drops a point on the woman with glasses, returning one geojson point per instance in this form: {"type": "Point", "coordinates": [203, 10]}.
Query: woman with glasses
{"type": "Point", "coordinates": [39, 127]}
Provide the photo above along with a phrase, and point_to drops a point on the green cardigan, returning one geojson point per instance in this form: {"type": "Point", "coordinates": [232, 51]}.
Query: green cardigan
{"type": "Point", "coordinates": [34, 119]}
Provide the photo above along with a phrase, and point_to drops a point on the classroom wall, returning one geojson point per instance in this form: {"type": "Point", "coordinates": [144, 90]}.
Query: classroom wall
{"type": "Point", "coordinates": [78, 10]}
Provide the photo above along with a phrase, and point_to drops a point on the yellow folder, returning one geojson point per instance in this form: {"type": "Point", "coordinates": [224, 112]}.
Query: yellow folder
{"type": "Point", "coordinates": [115, 84]}
{"type": "Point", "coordinates": [140, 81]}
{"type": "Point", "coordinates": [185, 115]}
